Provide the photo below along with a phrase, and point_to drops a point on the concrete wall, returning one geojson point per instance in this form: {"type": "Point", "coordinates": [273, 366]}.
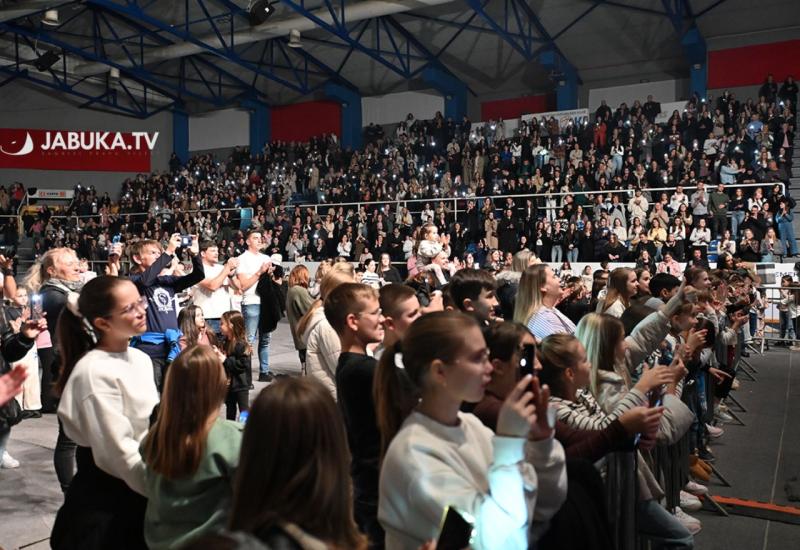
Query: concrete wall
{"type": "Point", "coordinates": [23, 106]}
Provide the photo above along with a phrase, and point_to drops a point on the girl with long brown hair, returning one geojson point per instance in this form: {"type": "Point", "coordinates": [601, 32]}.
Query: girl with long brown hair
{"type": "Point", "coordinates": [237, 362]}
{"type": "Point", "coordinates": [293, 481]}
{"type": "Point", "coordinates": [190, 453]}
{"type": "Point", "coordinates": [622, 286]}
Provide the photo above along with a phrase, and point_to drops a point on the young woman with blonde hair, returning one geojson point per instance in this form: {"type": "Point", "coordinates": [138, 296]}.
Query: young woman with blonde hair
{"type": "Point", "coordinates": [535, 306]}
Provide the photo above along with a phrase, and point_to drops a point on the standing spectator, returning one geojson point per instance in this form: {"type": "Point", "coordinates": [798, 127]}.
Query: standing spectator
{"type": "Point", "coordinates": [211, 294]}
{"type": "Point", "coordinates": [699, 201]}
{"type": "Point", "coordinates": [160, 342]}
{"type": "Point", "coordinates": [253, 264]}
{"type": "Point", "coordinates": [784, 219]}
{"type": "Point", "coordinates": [298, 302]}
{"type": "Point", "coordinates": [718, 203]}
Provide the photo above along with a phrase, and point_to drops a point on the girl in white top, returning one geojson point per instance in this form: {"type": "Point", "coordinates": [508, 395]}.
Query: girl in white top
{"type": "Point", "coordinates": [107, 397]}
{"type": "Point", "coordinates": [438, 456]}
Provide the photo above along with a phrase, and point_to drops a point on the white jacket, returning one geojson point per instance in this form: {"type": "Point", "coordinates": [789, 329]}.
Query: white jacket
{"type": "Point", "coordinates": [496, 480]}
{"type": "Point", "coordinates": [322, 350]}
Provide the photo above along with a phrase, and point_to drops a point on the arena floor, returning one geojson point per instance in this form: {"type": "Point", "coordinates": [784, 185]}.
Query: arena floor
{"type": "Point", "coordinates": [757, 459]}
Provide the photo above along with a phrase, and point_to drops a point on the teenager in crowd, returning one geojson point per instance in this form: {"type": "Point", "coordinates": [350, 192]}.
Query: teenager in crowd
{"type": "Point", "coordinates": [212, 293]}
{"type": "Point", "coordinates": [400, 307]}
{"type": "Point", "coordinates": [190, 453]}
{"type": "Point", "coordinates": [107, 398]}
{"type": "Point", "coordinates": [294, 464]}
{"type": "Point", "coordinates": [539, 293]}
{"type": "Point", "coordinates": [473, 292]}
{"type": "Point", "coordinates": [622, 287]}
{"type": "Point", "coordinates": [480, 473]}
{"type": "Point", "coordinates": [252, 264]}
{"type": "Point", "coordinates": [298, 302]}
{"type": "Point", "coordinates": [354, 312]}
{"type": "Point", "coordinates": [160, 341]}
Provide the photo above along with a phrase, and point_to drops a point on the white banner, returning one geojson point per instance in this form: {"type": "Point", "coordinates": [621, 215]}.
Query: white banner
{"type": "Point", "coordinates": [66, 194]}
{"type": "Point", "coordinates": [564, 118]}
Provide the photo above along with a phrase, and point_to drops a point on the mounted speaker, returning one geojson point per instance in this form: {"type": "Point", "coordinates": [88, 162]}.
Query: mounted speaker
{"type": "Point", "coordinates": [260, 11]}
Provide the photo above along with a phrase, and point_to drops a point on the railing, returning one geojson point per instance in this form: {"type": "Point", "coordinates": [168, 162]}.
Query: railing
{"type": "Point", "coordinates": [434, 201]}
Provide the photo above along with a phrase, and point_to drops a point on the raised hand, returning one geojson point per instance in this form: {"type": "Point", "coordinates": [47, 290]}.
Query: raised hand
{"type": "Point", "coordinates": [518, 413]}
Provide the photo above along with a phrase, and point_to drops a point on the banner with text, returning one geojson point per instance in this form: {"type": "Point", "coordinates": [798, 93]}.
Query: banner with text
{"type": "Point", "coordinates": [564, 118]}
{"type": "Point", "coordinates": [90, 150]}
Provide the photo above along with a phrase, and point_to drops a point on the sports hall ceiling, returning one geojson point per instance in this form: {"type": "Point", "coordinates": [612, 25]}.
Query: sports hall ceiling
{"type": "Point", "coordinates": [205, 54]}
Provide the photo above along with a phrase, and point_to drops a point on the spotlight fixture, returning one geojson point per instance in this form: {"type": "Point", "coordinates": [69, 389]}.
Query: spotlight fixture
{"type": "Point", "coordinates": [113, 73]}
{"type": "Point", "coordinates": [50, 18]}
{"type": "Point", "coordinates": [294, 39]}
{"type": "Point", "coordinates": [46, 60]}
{"type": "Point", "coordinates": [260, 11]}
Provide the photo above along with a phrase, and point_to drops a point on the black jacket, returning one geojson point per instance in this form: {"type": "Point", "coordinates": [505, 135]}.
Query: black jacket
{"type": "Point", "coordinates": [236, 366]}
{"type": "Point", "coordinates": [270, 312]}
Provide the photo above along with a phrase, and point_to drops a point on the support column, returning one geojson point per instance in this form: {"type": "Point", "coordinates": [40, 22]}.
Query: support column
{"type": "Point", "coordinates": [566, 82]}
{"type": "Point", "coordinates": [351, 113]}
{"type": "Point", "coordinates": [453, 90]}
{"type": "Point", "coordinates": [260, 124]}
{"type": "Point", "coordinates": [180, 134]}
{"type": "Point", "coordinates": [694, 45]}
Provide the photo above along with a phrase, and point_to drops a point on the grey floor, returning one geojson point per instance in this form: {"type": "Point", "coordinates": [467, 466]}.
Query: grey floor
{"type": "Point", "coordinates": [757, 459]}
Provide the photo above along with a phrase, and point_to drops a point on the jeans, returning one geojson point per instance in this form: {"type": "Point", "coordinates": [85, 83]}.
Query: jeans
{"type": "Point", "coordinates": [5, 434]}
{"type": "Point", "coordinates": [572, 255]}
{"type": "Point", "coordinates": [556, 253]}
{"type": "Point", "coordinates": [786, 231]}
{"type": "Point", "coordinates": [213, 324]}
{"type": "Point", "coordinates": [661, 528]}
{"type": "Point", "coordinates": [64, 458]}
{"type": "Point", "coordinates": [251, 317]}
{"type": "Point", "coordinates": [787, 326]}
{"type": "Point", "coordinates": [753, 318]}
{"type": "Point", "coordinates": [737, 217]}
{"type": "Point", "coordinates": [616, 161]}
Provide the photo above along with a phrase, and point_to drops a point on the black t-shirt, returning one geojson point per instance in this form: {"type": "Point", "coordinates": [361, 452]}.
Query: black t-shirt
{"type": "Point", "coordinates": [354, 375]}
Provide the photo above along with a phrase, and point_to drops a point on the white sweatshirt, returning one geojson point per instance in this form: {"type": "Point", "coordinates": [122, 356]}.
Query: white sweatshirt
{"type": "Point", "coordinates": [106, 405]}
{"type": "Point", "coordinates": [430, 466]}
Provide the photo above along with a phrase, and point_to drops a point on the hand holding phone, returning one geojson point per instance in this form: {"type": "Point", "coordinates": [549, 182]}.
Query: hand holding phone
{"type": "Point", "coordinates": [455, 532]}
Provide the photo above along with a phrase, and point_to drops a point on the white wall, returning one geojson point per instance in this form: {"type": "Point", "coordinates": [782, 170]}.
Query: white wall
{"type": "Point", "coordinates": [392, 108]}
{"type": "Point", "coordinates": [219, 129]}
{"type": "Point", "coordinates": [663, 91]}
{"type": "Point", "coordinates": [25, 106]}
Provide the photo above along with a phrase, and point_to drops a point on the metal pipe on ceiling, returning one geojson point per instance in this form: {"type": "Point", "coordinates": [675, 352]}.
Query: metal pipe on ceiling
{"type": "Point", "coordinates": [271, 29]}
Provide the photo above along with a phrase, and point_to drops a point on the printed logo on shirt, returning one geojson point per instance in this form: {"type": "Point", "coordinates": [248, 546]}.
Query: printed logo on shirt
{"type": "Point", "coordinates": [162, 300]}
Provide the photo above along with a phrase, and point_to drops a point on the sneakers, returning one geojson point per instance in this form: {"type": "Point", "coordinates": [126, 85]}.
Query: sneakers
{"type": "Point", "coordinates": [706, 455]}
{"type": "Point", "coordinates": [266, 377]}
{"type": "Point", "coordinates": [723, 416]}
{"type": "Point", "coordinates": [690, 502]}
{"type": "Point", "coordinates": [714, 432]}
{"type": "Point", "coordinates": [9, 462]}
{"type": "Point", "coordinates": [695, 488]}
{"type": "Point", "coordinates": [735, 384]}
{"type": "Point", "coordinates": [794, 348]}
{"type": "Point", "coordinates": [692, 524]}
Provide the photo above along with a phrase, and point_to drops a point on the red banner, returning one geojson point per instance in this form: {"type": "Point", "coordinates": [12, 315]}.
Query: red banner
{"type": "Point", "coordinates": [90, 150]}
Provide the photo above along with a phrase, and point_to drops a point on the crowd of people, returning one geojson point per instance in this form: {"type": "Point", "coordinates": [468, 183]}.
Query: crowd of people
{"type": "Point", "coordinates": [474, 380]}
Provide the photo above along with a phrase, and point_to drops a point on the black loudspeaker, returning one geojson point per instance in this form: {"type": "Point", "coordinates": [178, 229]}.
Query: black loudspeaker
{"type": "Point", "coordinates": [46, 60]}
{"type": "Point", "coordinates": [260, 11]}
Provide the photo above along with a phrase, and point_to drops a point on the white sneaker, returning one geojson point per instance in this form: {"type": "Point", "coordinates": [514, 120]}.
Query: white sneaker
{"type": "Point", "coordinates": [9, 462]}
{"type": "Point", "coordinates": [690, 502]}
{"type": "Point", "coordinates": [696, 488]}
{"type": "Point", "coordinates": [692, 524]}
{"type": "Point", "coordinates": [722, 416]}
{"type": "Point", "coordinates": [715, 432]}
{"type": "Point", "coordinates": [735, 385]}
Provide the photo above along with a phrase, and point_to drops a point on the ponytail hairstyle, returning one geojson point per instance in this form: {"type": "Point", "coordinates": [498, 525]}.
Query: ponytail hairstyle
{"type": "Point", "coordinates": [403, 368]}
{"type": "Point", "coordinates": [75, 327]}
{"type": "Point", "coordinates": [235, 320]}
{"type": "Point", "coordinates": [557, 353]}
{"type": "Point", "coordinates": [194, 389]}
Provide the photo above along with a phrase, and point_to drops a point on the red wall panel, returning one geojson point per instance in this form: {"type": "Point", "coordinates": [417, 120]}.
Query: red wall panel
{"type": "Point", "coordinates": [302, 121]}
{"type": "Point", "coordinates": [513, 108]}
{"type": "Point", "coordinates": [749, 65]}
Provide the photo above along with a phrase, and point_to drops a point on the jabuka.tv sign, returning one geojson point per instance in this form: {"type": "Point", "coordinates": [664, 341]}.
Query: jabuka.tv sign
{"type": "Point", "coordinates": [102, 151]}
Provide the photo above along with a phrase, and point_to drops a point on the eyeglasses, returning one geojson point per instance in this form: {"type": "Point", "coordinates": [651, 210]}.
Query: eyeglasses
{"type": "Point", "coordinates": [141, 303]}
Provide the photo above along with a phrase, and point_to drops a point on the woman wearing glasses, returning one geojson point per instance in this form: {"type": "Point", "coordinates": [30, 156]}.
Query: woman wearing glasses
{"type": "Point", "coordinates": [107, 397]}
